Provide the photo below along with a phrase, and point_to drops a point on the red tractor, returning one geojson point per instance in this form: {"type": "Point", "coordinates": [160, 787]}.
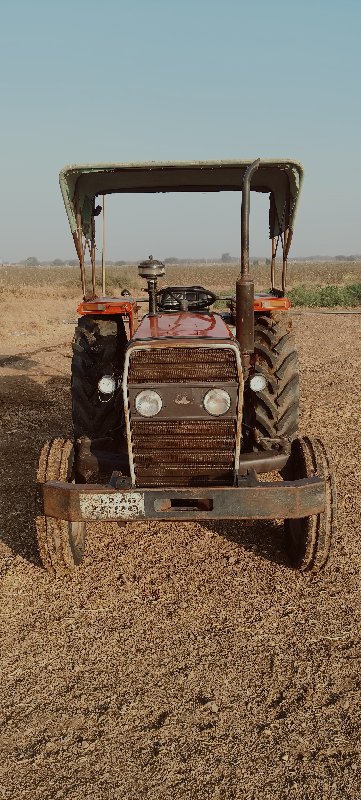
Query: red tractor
{"type": "Point", "coordinates": [177, 416]}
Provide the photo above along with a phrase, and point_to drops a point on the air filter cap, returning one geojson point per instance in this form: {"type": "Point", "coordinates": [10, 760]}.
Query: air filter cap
{"type": "Point", "coordinates": [151, 268]}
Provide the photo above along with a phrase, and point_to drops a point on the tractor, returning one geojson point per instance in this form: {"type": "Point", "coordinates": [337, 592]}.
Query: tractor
{"type": "Point", "coordinates": [184, 413]}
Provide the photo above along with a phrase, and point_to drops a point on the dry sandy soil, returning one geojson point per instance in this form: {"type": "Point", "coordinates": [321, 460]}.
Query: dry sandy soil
{"type": "Point", "coordinates": [182, 661]}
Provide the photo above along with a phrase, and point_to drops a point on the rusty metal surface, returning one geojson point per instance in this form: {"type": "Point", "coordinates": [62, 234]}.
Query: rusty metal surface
{"type": "Point", "coordinates": [162, 456]}
{"type": "Point", "coordinates": [182, 362]}
{"type": "Point", "coordinates": [262, 462]}
{"type": "Point", "coordinates": [189, 365]}
{"type": "Point", "coordinates": [245, 314]}
{"type": "Point", "coordinates": [280, 500]}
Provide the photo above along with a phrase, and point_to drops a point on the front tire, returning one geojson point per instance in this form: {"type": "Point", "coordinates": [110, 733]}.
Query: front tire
{"type": "Point", "coordinates": [61, 543]}
{"type": "Point", "coordinates": [308, 540]}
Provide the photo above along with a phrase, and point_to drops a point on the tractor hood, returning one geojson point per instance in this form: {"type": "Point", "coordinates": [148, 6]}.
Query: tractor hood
{"type": "Point", "coordinates": [182, 325]}
{"type": "Point", "coordinates": [82, 183]}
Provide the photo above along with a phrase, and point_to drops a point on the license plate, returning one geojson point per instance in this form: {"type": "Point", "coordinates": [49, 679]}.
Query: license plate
{"type": "Point", "coordinates": [120, 505]}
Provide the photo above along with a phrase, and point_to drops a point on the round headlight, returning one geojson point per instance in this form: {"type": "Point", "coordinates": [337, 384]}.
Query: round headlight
{"type": "Point", "coordinates": [258, 382]}
{"type": "Point", "coordinates": [148, 403]}
{"type": "Point", "coordinates": [217, 402]}
{"type": "Point", "coordinates": [107, 384]}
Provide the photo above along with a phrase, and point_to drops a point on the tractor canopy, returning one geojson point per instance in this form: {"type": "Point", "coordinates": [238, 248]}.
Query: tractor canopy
{"type": "Point", "coordinates": [81, 184]}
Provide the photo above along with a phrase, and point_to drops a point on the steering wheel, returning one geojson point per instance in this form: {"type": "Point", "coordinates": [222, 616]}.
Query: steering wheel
{"type": "Point", "coordinates": [198, 305]}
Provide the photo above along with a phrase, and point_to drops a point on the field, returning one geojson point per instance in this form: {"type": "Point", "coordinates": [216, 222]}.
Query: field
{"type": "Point", "coordinates": [182, 661]}
{"type": "Point", "coordinates": [37, 300]}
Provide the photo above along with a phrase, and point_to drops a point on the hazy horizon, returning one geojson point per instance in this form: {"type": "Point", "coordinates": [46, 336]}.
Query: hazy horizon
{"type": "Point", "coordinates": [73, 262]}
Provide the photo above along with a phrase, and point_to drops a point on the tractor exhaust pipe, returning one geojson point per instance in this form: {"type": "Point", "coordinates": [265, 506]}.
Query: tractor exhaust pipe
{"type": "Point", "coordinates": [244, 284]}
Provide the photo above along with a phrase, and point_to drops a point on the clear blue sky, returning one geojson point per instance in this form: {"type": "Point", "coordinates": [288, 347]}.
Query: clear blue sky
{"type": "Point", "coordinates": [179, 79]}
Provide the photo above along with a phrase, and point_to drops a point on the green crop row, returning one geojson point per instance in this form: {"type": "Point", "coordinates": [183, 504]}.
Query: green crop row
{"type": "Point", "coordinates": [326, 296]}
{"type": "Point", "coordinates": [314, 296]}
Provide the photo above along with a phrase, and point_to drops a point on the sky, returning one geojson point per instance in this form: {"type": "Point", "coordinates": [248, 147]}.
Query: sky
{"type": "Point", "coordinates": [116, 81]}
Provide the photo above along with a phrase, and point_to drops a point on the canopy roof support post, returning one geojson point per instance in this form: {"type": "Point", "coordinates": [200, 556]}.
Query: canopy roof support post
{"type": "Point", "coordinates": [103, 249]}
{"type": "Point", "coordinates": [289, 240]}
{"type": "Point", "coordinates": [284, 274]}
{"type": "Point", "coordinates": [285, 248]}
{"type": "Point", "coordinates": [92, 253]}
{"type": "Point", "coordinates": [273, 264]}
{"type": "Point", "coordinates": [287, 237]}
{"type": "Point", "coordinates": [80, 251]}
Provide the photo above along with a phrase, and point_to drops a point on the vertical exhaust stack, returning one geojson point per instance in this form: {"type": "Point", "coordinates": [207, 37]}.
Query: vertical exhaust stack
{"type": "Point", "coordinates": [244, 284]}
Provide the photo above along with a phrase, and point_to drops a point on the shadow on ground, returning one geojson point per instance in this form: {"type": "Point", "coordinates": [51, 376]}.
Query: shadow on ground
{"type": "Point", "coordinates": [262, 537]}
{"type": "Point", "coordinates": [17, 362]}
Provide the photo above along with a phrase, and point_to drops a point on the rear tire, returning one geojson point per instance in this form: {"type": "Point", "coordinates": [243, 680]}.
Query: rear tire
{"type": "Point", "coordinates": [61, 543]}
{"type": "Point", "coordinates": [275, 409]}
{"type": "Point", "coordinates": [98, 349]}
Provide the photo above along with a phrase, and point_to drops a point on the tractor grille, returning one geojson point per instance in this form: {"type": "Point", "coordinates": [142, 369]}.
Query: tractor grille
{"type": "Point", "coordinates": [183, 452]}
{"type": "Point", "coordinates": [183, 365]}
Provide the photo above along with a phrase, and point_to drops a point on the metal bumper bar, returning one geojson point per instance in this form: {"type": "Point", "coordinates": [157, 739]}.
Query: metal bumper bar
{"type": "Point", "coordinates": [279, 500]}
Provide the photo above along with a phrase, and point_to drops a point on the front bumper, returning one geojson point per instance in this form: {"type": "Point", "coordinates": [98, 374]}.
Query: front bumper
{"type": "Point", "coordinates": [253, 500]}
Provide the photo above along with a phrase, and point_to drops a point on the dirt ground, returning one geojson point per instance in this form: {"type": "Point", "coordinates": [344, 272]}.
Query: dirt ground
{"type": "Point", "coordinates": [182, 661]}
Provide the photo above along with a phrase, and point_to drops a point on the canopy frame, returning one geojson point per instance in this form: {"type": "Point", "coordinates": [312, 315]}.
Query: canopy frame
{"type": "Point", "coordinates": [82, 184]}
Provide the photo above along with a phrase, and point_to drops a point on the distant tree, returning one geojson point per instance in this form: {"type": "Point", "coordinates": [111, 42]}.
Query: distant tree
{"type": "Point", "coordinates": [226, 258]}
{"type": "Point", "coordinates": [57, 262]}
{"type": "Point", "coordinates": [73, 263]}
{"type": "Point", "coordinates": [171, 260]}
{"type": "Point", "coordinates": [345, 258]}
{"type": "Point", "coordinates": [120, 263]}
{"type": "Point", "coordinates": [31, 261]}
{"type": "Point", "coordinates": [268, 262]}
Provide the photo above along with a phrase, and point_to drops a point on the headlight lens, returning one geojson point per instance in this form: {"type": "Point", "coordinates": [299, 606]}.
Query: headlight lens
{"type": "Point", "coordinates": [107, 384]}
{"type": "Point", "coordinates": [258, 382]}
{"type": "Point", "coordinates": [217, 402]}
{"type": "Point", "coordinates": [148, 403]}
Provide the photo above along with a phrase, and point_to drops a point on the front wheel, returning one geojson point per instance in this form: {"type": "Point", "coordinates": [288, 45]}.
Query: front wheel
{"type": "Point", "coordinates": [308, 540]}
{"type": "Point", "coordinates": [61, 543]}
